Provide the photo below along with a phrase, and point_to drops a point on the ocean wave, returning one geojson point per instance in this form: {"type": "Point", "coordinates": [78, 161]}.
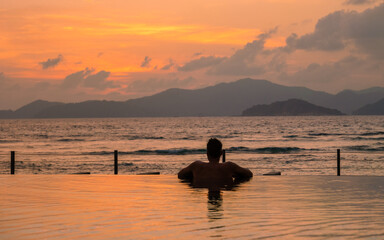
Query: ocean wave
{"type": "Point", "coordinates": [183, 151]}
{"type": "Point", "coordinates": [325, 134]}
{"type": "Point", "coordinates": [126, 164]}
{"type": "Point", "coordinates": [372, 133]}
{"type": "Point", "coordinates": [9, 141]}
{"type": "Point", "coordinates": [231, 135]}
{"type": "Point", "coordinates": [152, 152]}
{"type": "Point", "coordinates": [98, 153]}
{"type": "Point", "coordinates": [130, 137]}
{"type": "Point", "coordinates": [70, 140]}
{"type": "Point", "coordinates": [42, 136]}
{"type": "Point", "coordinates": [365, 148]}
{"type": "Point", "coordinates": [272, 150]}
{"type": "Point", "coordinates": [291, 136]}
{"type": "Point", "coordinates": [372, 139]}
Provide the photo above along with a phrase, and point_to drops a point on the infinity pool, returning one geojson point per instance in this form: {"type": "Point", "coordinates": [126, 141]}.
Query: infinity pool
{"type": "Point", "coordinates": [161, 207]}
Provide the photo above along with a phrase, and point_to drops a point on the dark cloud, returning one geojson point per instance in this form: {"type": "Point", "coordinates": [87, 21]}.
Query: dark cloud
{"type": "Point", "coordinates": [197, 54]}
{"type": "Point", "coordinates": [79, 86]}
{"type": "Point", "coordinates": [85, 78]}
{"type": "Point", "coordinates": [158, 84]}
{"type": "Point", "coordinates": [350, 70]}
{"type": "Point", "coordinates": [75, 79]}
{"type": "Point", "coordinates": [359, 2]}
{"type": "Point", "coordinates": [146, 62]}
{"type": "Point", "coordinates": [51, 62]}
{"type": "Point", "coordinates": [328, 35]}
{"type": "Point", "coordinates": [42, 86]}
{"type": "Point", "coordinates": [169, 65]}
{"type": "Point", "coordinates": [200, 63]}
{"type": "Point", "coordinates": [363, 31]}
{"type": "Point", "coordinates": [100, 54]}
{"type": "Point", "coordinates": [3, 81]}
{"type": "Point", "coordinates": [7, 85]}
{"type": "Point", "coordinates": [242, 62]}
{"type": "Point", "coordinates": [98, 81]}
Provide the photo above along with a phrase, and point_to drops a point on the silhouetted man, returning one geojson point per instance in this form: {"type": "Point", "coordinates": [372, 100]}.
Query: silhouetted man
{"type": "Point", "coordinates": [214, 174]}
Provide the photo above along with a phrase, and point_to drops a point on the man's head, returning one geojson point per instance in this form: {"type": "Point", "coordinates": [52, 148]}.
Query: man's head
{"type": "Point", "coordinates": [214, 149]}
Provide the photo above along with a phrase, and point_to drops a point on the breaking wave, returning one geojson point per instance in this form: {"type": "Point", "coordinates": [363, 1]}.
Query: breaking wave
{"type": "Point", "coordinates": [365, 148]}
{"type": "Point", "coordinates": [183, 151]}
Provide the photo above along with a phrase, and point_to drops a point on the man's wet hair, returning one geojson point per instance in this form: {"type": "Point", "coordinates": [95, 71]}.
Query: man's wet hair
{"type": "Point", "coordinates": [214, 147]}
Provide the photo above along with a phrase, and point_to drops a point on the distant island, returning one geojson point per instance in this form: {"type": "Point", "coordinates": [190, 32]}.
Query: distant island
{"type": "Point", "coordinates": [223, 99]}
{"type": "Point", "coordinates": [291, 107]}
{"type": "Point", "coordinates": [376, 108]}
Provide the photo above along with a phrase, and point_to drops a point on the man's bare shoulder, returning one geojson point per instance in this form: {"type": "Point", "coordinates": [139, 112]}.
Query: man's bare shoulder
{"type": "Point", "coordinates": [197, 163]}
{"type": "Point", "coordinates": [239, 171]}
{"type": "Point", "coordinates": [230, 164]}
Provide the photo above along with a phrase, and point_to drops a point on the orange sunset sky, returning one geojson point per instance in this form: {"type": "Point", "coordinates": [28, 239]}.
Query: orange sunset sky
{"type": "Point", "coordinates": [77, 50]}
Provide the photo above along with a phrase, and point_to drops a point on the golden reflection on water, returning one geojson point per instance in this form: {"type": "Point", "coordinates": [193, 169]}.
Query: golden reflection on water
{"type": "Point", "coordinates": [142, 207]}
{"type": "Point", "coordinates": [215, 208]}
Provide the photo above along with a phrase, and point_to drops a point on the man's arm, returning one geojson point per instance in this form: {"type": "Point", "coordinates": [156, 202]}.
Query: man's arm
{"type": "Point", "coordinates": [187, 173]}
{"type": "Point", "coordinates": [239, 172]}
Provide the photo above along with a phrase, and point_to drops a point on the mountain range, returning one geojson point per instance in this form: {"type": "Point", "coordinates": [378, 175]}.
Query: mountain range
{"type": "Point", "coordinates": [291, 107]}
{"type": "Point", "coordinates": [224, 99]}
{"type": "Point", "coordinates": [376, 108]}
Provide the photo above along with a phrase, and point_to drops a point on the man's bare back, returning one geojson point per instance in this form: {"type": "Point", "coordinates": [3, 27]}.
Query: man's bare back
{"type": "Point", "coordinates": [211, 174]}
{"type": "Point", "coordinates": [214, 174]}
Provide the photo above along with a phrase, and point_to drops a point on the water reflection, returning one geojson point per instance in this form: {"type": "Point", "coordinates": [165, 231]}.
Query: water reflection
{"type": "Point", "coordinates": [146, 207]}
{"type": "Point", "coordinates": [215, 205]}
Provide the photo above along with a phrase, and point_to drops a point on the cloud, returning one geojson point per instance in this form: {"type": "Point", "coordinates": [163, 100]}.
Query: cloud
{"type": "Point", "coordinates": [351, 70]}
{"type": "Point", "coordinates": [328, 35]}
{"type": "Point", "coordinates": [336, 31]}
{"type": "Point", "coordinates": [75, 79]}
{"type": "Point", "coordinates": [197, 54]}
{"type": "Point", "coordinates": [51, 62]}
{"type": "Point", "coordinates": [42, 86]}
{"type": "Point", "coordinates": [100, 54]}
{"type": "Point", "coordinates": [200, 63]}
{"type": "Point", "coordinates": [3, 81]}
{"type": "Point", "coordinates": [2, 77]}
{"type": "Point", "coordinates": [243, 61]}
{"type": "Point", "coordinates": [359, 2]}
{"type": "Point", "coordinates": [158, 84]}
{"type": "Point", "coordinates": [146, 62]}
{"type": "Point", "coordinates": [98, 81]}
{"type": "Point", "coordinates": [85, 78]}
{"type": "Point", "coordinates": [168, 66]}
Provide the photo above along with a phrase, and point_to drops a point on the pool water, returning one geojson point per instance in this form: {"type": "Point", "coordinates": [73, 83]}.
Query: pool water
{"type": "Point", "coordinates": [162, 207]}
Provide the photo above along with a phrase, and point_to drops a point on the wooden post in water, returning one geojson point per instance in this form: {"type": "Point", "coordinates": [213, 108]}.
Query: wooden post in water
{"type": "Point", "coordinates": [338, 162]}
{"type": "Point", "coordinates": [116, 153]}
{"type": "Point", "coordinates": [223, 155]}
{"type": "Point", "coordinates": [12, 162]}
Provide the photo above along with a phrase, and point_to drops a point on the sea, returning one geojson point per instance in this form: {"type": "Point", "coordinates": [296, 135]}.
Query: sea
{"type": "Point", "coordinates": [297, 145]}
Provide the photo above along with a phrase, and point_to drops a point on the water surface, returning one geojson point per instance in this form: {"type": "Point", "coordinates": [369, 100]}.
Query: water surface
{"type": "Point", "coordinates": [293, 145]}
{"type": "Point", "coordinates": [145, 207]}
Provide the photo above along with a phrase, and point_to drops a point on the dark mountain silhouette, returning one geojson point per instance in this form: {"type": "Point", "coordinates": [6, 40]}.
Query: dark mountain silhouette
{"type": "Point", "coordinates": [6, 114]}
{"type": "Point", "coordinates": [291, 107]}
{"type": "Point", "coordinates": [32, 109]}
{"type": "Point", "coordinates": [348, 101]}
{"type": "Point", "coordinates": [224, 99]}
{"type": "Point", "coordinates": [376, 108]}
